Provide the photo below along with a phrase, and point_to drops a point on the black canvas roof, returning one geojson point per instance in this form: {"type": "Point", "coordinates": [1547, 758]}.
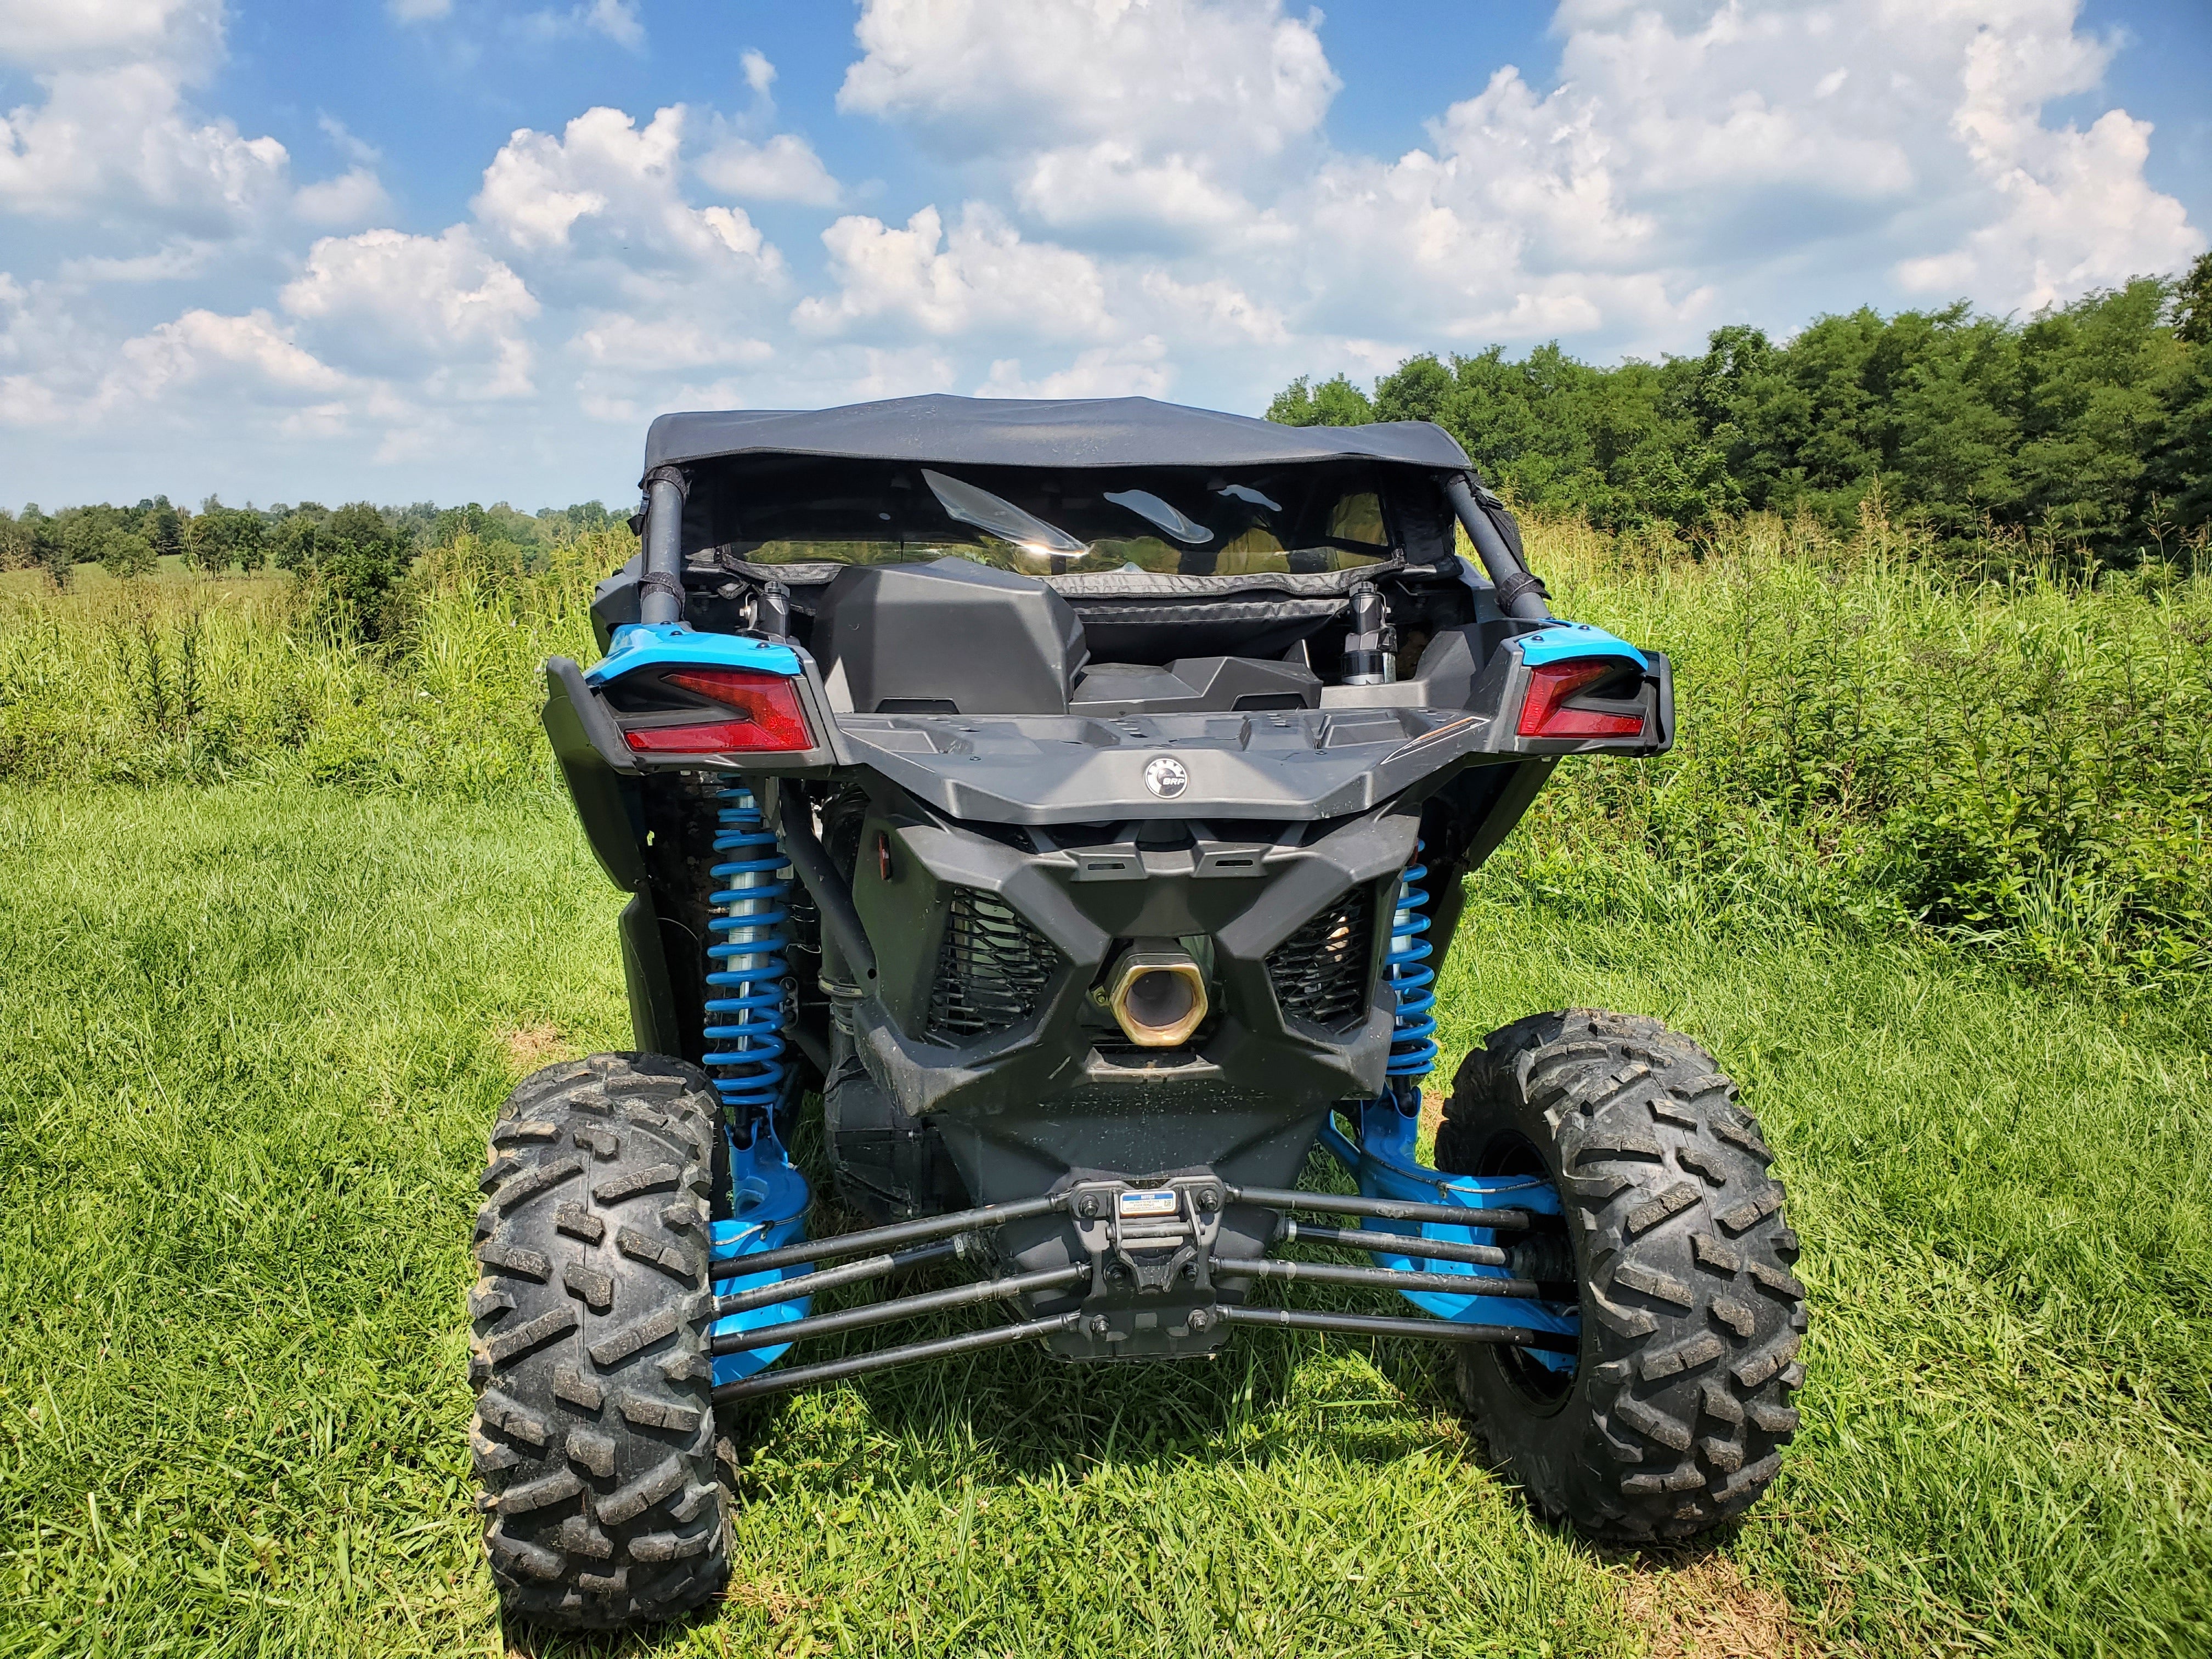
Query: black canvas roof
{"type": "Point", "coordinates": [1041, 432]}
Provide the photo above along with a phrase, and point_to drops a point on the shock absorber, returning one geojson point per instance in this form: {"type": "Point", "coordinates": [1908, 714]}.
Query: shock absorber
{"type": "Point", "coordinates": [1412, 981]}
{"type": "Point", "coordinates": [745, 966]}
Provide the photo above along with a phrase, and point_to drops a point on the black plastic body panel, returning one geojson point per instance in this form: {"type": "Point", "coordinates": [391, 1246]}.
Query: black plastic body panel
{"type": "Point", "coordinates": [653, 1020]}
{"type": "Point", "coordinates": [1062, 1090]}
{"type": "Point", "coordinates": [589, 750]}
{"type": "Point", "coordinates": [953, 634]}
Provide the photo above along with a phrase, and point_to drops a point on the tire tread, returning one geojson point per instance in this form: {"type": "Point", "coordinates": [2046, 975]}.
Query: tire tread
{"type": "Point", "coordinates": [594, 1435]}
{"type": "Point", "coordinates": [1693, 1321]}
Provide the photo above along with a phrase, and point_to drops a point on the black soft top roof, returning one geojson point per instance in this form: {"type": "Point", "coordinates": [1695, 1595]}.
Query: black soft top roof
{"type": "Point", "coordinates": [1103, 432]}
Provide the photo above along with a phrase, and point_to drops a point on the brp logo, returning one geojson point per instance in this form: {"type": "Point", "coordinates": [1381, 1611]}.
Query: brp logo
{"type": "Point", "coordinates": [1165, 777]}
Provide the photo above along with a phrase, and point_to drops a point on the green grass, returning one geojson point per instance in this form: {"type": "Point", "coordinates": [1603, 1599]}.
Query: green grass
{"type": "Point", "coordinates": [250, 1039]}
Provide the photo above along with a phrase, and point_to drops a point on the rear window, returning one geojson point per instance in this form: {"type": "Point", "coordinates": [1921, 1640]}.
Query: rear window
{"type": "Point", "coordinates": [1301, 521]}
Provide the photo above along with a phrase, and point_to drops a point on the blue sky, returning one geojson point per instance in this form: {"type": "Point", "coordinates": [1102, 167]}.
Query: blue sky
{"type": "Point", "coordinates": [456, 249]}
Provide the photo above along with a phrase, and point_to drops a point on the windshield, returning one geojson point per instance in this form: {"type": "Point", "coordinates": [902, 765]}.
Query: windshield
{"type": "Point", "coordinates": [1296, 521]}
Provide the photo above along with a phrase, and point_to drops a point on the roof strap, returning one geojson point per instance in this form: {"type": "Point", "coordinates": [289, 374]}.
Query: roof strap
{"type": "Point", "coordinates": [1515, 584]}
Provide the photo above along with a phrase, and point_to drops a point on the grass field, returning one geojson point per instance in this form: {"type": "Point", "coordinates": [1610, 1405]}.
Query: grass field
{"type": "Point", "coordinates": [250, 1041]}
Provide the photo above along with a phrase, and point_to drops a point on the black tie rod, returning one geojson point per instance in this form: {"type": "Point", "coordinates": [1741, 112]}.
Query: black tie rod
{"type": "Point", "coordinates": [1390, 1209]}
{"type": "Point", "coordinates": [1330, 1272]}
{"type": "Point", "coordinates": [836, 1371]}
{"type": "Point", "coordinates": [1429, 1330]}
{"type": "Point", "coordinates": [1404, 1244]}
{"type": "Point", "coordinates": [885, 1238]}
{"type": "Point", "coordinates": [829, 1278]}
{"type": "Point", "coordinates": [903, 1307]}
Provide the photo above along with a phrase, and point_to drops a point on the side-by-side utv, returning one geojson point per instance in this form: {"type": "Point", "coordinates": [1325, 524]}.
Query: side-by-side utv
{"type": "Point", "coordinates": [1075, 797]}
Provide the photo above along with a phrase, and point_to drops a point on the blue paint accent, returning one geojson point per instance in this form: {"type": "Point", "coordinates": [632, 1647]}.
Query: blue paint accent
{"type": "Point", "coordinates": [770, 1202]}
{"type": "Point", "coordinates": [1386, 1165]}
{"type": "Point", "coordinates": [746, 963]}
{"type": "Point", "coordinates": [636, 645]}
{"type": "Point", "coordinates": [1564, 640]}
{"type": "Point", "coordinates": [1413, 1035]}
{"type": "Point", "coordinates": [745, 976]}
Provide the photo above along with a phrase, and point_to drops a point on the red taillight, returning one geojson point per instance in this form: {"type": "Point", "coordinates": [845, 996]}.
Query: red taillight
{"type": "Point", "coordinates": [1544, 713]}
{"type": "Point", "coordinates": [768, 716]}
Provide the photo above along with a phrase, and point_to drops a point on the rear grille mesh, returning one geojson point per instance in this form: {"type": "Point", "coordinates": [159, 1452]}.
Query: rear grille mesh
{"type": "Point", "coordinates": [992, 971]}
{"type": "Point", "coordinates": [1319, 972]}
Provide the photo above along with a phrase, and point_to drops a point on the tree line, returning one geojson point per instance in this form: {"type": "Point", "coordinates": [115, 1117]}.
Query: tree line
{"type": "Point", "coordinates": [355, 554]}
{"type": "Point", "coordinates": [2088, 425]}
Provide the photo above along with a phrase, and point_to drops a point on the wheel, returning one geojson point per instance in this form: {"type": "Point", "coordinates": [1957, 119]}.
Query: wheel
{"type": "Point", "coordinates": [1673, 1418]}
{"type": "Point", "coordinates": [594, 1431]}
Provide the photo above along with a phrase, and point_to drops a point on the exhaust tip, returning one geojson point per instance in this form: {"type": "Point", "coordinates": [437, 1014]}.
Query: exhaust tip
{"type": "Point", "coordinates": [1159, 998]}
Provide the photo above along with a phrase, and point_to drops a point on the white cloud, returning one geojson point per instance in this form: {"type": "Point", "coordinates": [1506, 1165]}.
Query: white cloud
{"type": "Point", "coordinates": [1214, 310]}
{"type": "Point", "coordinates": [618, 20]}
{"type": "Point", "coordinates": [1150, 203]}
{"type": "Point", "coordinates": [252, 358]}
{"type": "Point", "coordinates": [642, 346]}
{"type": "Point", "coordinates": [783, 169]}
{"type": "Point", "coordinates": [980, 277]}
{"type": "Point", "coordinates": [394, 304]}
{"type": "Point", "coordinates": [1139, 123]}
{"type": "Point", "coordinates": [172, 261]}
{"type": "Point", "coordinates": [351, 198]}
{"type": "Point", "coordinates": [117, 142]}
{"type": "Point", "coordinates": [201, 343]}
{"type": "Point", "coordinates": [1693, 152]}
{"type": "Point", "coordinates": [355, 150]}
{"type": "Point", "coordinates": [984, 76]}
{"type": "Point", "coordinates": [1137, 368]}
{"type": "Point", "coordinates": [50, 33]}
{"type": "Point", "coordinates": [1110, 183]}
{"type": "Point", "coordinates": [2071, 210]}
{"type": "Point", "coordinates": [606, 175]}
{"type": "Point", "coordinates": [878, 372]}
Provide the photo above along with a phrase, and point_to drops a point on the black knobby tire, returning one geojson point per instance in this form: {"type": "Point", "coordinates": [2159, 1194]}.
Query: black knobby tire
{"type": "Point", "coordinates": [1691, 1320]}
{"type": "Point", "coordinates": [594, 1431]}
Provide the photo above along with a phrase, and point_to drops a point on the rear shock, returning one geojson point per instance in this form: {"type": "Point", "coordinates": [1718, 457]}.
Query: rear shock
{"type": "Point", "coordinates": [1413, 981]}
{"type": "Point", "coordinates": [746, 968]}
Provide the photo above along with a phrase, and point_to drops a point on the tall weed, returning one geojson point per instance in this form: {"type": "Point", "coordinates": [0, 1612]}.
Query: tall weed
{"type": "Point", "coordinates": [95, 683]}
{"type": "Point", "coordinates": [1872, 739]}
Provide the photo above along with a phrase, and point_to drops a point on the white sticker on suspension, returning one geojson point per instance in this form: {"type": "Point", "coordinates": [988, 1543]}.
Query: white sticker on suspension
{"type": "Point", "coordinates": [1144, 1205]}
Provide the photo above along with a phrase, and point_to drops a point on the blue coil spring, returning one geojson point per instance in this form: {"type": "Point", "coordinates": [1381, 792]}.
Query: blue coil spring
{"type": "Point", "coordinates": [745, 966]}
{"type": "Point", "coordinates": [1413, 1038]}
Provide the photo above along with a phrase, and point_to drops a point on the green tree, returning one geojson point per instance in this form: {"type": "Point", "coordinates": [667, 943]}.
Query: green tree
{"type": "Point", "coordinates": [163, 528]}
{"type": "Point", "coordinates": [2090, 424]}
{"type": "Point", "coordinates": [1335, 402]}
{"type": "Point", "coordinates": [48, 550]}
{"type": "Point", "coordinates": [126, 553]}
{"type": "Point", "coordinates": [294, 542]}
{"type": "Point", "coordinates": [15, 552]}
{"type": "Point", "coordinates": [360, 562]}
{"type": "Point", "coordinates": [205, 544]}
{"type": "Point", "coordinates": [2176, 488]}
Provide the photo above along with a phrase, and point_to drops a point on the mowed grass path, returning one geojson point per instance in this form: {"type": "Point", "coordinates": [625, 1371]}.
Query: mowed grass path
{"type": "Point", "coordinates": [250, 1041]}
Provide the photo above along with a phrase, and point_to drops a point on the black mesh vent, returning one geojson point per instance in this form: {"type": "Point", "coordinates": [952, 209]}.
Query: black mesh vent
{"type": "Point", "coordinates": [991, 973]}
{"type": "Point", "coordinates": [1319, 972]}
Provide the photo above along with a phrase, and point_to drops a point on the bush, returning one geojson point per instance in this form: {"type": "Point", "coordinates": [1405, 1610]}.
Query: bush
{"type": "Point", "coordinates": [1871, 742]}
